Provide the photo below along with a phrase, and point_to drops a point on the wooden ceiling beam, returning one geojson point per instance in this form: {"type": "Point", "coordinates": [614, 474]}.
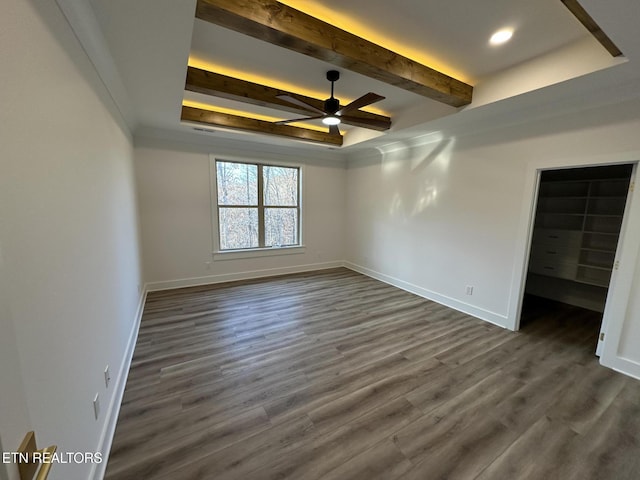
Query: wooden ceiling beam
{"type": "Point", "coordinates": [210, 83]}
{"type": "Point", "coordinates": [281, 25]}
{"type": "Point", "coordinates": [225, 120]}
{"type": "Point", "coordinates": [590, 24]}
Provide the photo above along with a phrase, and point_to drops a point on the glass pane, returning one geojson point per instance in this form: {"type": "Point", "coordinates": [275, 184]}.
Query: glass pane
{"type": "Point", "coordinates": [280, 186]}
{"type": "Point", "coordinates": [281, 226]}
{"type": "Point", "coordinates": [238, 228]}
{"type": "Point", "coordinates": [237, 183]}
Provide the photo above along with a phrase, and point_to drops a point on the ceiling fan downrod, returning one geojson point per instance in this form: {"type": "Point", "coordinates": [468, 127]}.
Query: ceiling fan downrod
{"type": "Point", "coordinates": [332, 104]}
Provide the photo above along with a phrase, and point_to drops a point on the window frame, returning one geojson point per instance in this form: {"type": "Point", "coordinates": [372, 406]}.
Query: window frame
{"type": "Point", "coordinates": [261, 251]}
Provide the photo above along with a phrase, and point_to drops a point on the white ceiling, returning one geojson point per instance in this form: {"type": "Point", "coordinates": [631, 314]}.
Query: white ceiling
{"type": "Point", "coordinates": [456, 32]}
{"type": "Point", "coordinates": [151, 41]}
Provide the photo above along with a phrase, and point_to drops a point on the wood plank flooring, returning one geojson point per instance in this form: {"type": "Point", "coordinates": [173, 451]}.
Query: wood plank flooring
{"type": "Point", "coordinates": [333, 375]}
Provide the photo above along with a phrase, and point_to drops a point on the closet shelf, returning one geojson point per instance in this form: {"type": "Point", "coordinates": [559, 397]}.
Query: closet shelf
{"type": "Point", "coordinates": [613, 234]}
{"type": "Point", "coordinates": [597, 267]}
{"type": "Point", "coordinates": [598, 250]}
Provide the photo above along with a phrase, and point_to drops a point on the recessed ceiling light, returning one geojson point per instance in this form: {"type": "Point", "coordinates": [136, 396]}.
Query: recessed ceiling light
{"type": "Point", "coordinates": [501, 36]}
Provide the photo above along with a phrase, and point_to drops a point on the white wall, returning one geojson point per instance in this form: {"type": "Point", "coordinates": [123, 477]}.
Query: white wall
{"type": "Point", "coordinates": [438, 216]}
{"type": "Point", "coordinates": [176, 214]}
{"type": "Point", "coordinates": [579, 58]}
{"type": "Point", "coordinates": [421, 214]}
{"type": "Point", "coordinates": [68, 236]}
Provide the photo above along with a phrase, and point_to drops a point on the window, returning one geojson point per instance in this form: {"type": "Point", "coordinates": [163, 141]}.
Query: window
{"type": "Point", "coordinates": [258, 205]}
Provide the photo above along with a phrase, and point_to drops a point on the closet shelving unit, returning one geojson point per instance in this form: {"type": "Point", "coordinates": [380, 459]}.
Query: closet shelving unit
{"type": "Point", "coordinates": [575, 237]}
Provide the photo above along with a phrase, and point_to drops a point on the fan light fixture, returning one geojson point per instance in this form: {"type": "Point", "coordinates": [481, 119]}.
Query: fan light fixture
{"type": "Point", "coordinates": [331, 120]}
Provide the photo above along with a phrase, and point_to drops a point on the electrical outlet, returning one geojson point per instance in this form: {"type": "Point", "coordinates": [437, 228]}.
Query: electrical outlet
{"type": "Point", "coordinates": [96, 406]}
{"type": "Point", "coordinates": [469, 290]}
{"type": "Point", "coordinates": [107, 376]}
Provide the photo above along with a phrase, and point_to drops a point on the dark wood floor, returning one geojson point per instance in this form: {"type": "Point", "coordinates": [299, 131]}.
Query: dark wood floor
{"type": "Point", "coordinates": [334, 375]}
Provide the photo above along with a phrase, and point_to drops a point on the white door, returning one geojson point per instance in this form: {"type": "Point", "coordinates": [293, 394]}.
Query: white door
{"type": "Point", "coordinates": [14, 422]}
{"type": "Point", "coordinates": [3, 469]}
{"type": "Point", "coordinates": [608, 310]}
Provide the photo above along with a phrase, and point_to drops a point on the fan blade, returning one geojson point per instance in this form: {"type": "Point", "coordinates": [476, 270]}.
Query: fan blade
{"type": "Point", "coordinates": [365, 121]}
{"type": "Point", "coordinates": [363, 101]}
{"type": "Point", "coordinates": [300, 103]}
{"type": "Point", "coordinates": [334, 130]}
{"type": "Point", "coordinates": [284, 122]}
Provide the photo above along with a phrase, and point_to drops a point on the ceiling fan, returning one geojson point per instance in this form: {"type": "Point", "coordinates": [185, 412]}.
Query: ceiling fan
{"type": "Point", "coordinates": [332, 114]}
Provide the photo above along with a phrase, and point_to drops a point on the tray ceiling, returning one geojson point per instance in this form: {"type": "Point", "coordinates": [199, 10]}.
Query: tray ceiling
{"type": "Point", "coordinates": [153, 41]}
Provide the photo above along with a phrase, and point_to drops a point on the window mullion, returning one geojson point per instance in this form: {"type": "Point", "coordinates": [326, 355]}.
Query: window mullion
{"type": "Point", "coordinates": [261, 227]}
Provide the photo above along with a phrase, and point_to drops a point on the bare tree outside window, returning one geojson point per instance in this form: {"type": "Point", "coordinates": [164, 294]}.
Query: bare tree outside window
{"type": "Point", "coordinates": [258, 205]}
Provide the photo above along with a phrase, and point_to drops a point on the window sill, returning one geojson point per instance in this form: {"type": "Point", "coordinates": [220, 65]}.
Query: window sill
{"type": "Point", "coordinates": [258, 252]}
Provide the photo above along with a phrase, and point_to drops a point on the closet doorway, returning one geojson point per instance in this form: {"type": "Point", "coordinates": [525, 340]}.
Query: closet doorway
{"type": "Point", "coordinates": [576, 230]}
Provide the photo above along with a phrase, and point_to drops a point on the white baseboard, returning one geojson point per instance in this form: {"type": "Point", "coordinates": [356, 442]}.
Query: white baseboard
{"type": "Point", "coordinates": [487, 316]}
{"type": "Point", "coordinates": [624, 366]}
{"type": "Point", "coordinates": [109, 429]}
{"type": "Point", "coordinates": [231, 277]}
